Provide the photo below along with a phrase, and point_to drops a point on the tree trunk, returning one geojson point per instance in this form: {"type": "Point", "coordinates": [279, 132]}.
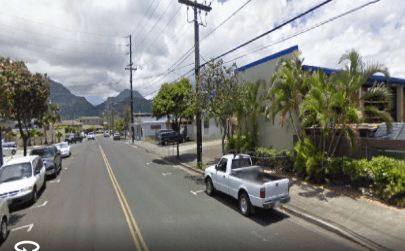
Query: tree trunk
{"type": "Point", "coordinates": [337, 144]}
{"type": "Point", "coordinates": [46, 137]}
{"type": "Point", "coordinates": [52, 134]}
{"type": "Point", "coordinates": [295, 128]}
{"type": "Point", "coordinates": [331, 143]}
{"type": "Point", "coordinates": [223, 137]}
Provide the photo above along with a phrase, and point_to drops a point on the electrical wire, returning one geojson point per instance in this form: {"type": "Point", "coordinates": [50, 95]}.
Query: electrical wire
{"type": "Point", "coordinates": [133, 32]}
{"type": "Point", "coordinates": [270, 31]}
{"type": "Point", "coordinates": [147, 21]}
{"type": "Point", "coordinates": [65, 29]}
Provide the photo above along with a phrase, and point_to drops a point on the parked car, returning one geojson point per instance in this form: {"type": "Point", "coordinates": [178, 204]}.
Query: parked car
{"type": "Point", "coordinates": [117, 136]}
{"type": "Point", "coordinates": [106, 134]}
{"type": "Point", "coordinates": [64, 149]}
{"type": "Point", "coordinates": [234, 175]}
{"type": "Point", "coordinates": [21, 179]}
{"type": "Point", "coordinates": [9, 148]}
{"type": "Point", "coordinates": [167, 137]}
{"type": "Point", "coordinates": [162, 131]}
{"type": "Point", "coordinates": [5, 217]}
{"type": "Point", "coordinates": [51, 159]}
{"type": "Point", "coordinates": [90, 136]}
{"type": "Point", "coordinates": [74, 139]}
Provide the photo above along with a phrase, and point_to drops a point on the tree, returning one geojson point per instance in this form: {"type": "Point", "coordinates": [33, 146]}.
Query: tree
{"type": "Point", "coordinates": [119, 126]}
{"type": "Point", "coordinates": [23, 95]}
{"type": "Point", "coordinates": [59, 135]}
{"type": "Point", "coordinates": [40, 135]}
{"type": "Point", "coordinates": [287, 90]}
{"type": "Point", "coordinates": [53, 116]}
{"type": "Point", "coordinates": [127, 118]}
{"type": "Point", "coordinates": [33, 134]}
{"type": "Point", "coordinates": [170, 102]}
{"type": "Point", "coordinates": [252, 106]}
{"type": "Point", "coordinates": [10, 134]}
{"type": "Point", "coordinates": [218, 93]}
{"type": "Point", "coordinates": [43, 122]}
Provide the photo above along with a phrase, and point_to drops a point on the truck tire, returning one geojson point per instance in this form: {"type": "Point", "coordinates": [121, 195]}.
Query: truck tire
{"type": "Point", "coordinates": [209, 187]}
{"type": "Point", "coordinates": [244, 204]}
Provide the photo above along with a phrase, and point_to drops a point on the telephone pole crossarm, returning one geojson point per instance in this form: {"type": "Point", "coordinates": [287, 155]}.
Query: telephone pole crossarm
{"type": "Point", "coordinates": [196, 5]}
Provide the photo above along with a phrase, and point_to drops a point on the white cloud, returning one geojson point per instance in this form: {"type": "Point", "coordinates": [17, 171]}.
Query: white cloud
{"type": "Point", "coordinates": [94, 65]}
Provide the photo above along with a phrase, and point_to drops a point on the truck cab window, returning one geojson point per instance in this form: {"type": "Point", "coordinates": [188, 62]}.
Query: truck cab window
{"type": "Point", "coordinates": [222, 165]}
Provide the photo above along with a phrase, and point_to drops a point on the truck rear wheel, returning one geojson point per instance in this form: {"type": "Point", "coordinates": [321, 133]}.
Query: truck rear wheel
{"type": "Point", "coordinates": [209, 187]}
{"type": "Point", "coordinates": [244, 204]}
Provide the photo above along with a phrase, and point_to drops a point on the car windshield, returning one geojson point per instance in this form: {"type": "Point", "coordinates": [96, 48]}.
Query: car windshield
{"type": "Point", "coordinates": [63, 145]}
{"type": "Point", "coordinates": [239, 163]}
{"type": "Point", "coordinates": [43, 152]}
{"type": "Point", "coordinates": [15, 172]}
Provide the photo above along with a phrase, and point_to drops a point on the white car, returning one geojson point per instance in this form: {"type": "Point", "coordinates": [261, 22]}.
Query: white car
{"type": "Point", "coordinates": [9, 148]}
{"type": "Point", "coordinates": [5, 217]}
{"type": "Point", "coordinates": [21, 179]}
{"type": "Point", "coordinates": [64, 149]}
{"type": "Point", "coordinates": [90, 136]}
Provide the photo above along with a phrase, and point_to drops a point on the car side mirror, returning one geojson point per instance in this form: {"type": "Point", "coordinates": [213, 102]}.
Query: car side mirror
{"type": "Point", "coordinates": [37, 171]}
{"type": "Point", "coordinates": [216, 167]}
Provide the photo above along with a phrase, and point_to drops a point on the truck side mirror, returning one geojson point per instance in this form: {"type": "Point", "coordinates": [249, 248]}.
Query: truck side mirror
{"type": "Point", "coordinates": [216, 167]}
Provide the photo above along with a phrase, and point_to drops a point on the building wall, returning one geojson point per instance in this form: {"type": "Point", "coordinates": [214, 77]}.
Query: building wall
{"type": "Point", "coordinates": [270, 134]}
{"type": "Point", "coordinates": [211, 132]}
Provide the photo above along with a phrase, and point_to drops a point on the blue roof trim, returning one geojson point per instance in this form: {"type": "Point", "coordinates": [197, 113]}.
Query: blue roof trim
{"type": "Point", "coordinates": [268, 58]}
{"type": "Point", "coordinates": [371, 80]}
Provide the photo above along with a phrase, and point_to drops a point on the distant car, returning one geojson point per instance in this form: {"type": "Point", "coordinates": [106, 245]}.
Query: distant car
{"type": "Point", "coordinates": [90, 136]}
{"type": "Point", "coordinates": [9, 148]}
{"type": "Point", "coordinates": [64, 149]}
{"type": "Point", "coordinates": [21, 179]}
{"type": "Point", "coordinates": [5, 217]}
{"type": "Point", "coordinates": [106, 134]}
{"type": "Point", "coordinates": [51, 158]}
{"type": "Point", "coordinates": [117, 136]}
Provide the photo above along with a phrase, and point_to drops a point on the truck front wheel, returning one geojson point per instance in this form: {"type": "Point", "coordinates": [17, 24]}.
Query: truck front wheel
{"type": "Point", "coordinates": [244, 204]}
{"type": "Point", "coordinates": [209, 187]}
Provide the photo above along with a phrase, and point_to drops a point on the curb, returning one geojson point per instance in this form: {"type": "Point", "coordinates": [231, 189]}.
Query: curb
{"type": "Point", "coordinates": [334, 227]}
{"type": "Point", "coordinates": [179, 163]}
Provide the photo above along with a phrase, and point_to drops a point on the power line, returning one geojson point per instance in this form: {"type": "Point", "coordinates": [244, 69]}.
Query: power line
{"type": "Point", "coordinates": [270, 31]}
{"type": "Point", "coordinates": [175, 14]}
{"type": "Point", "coordinates": [133, 32]}
{"type": "Point", "coordinates": [147, 21]}
{"type": "Point", "coordinates": [223, 22]}
{"type": "Point", "coordinates": [66, 39]}
{"type": "Point", "coordinates": [65, 29]}
{"type": "Point", "coordinates": [156, 23]}
{"type": "Point", "coordinates": [305, 30]}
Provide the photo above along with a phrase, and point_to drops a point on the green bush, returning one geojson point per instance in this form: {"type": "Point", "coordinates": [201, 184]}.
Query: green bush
{"type": "Point", "coordinates": [308, 160]}
{"type": "Point", "coordinates": [240, 143]}
{"type": "Point", "coordinates": [272, 152]}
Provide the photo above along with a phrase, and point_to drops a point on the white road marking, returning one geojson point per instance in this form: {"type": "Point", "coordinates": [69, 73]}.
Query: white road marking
{"type": "Point", "coordinates": [65, 168]}
{"type": "Point", "coordinates": [164, 174]}
{"type": "Point", "coordinates": [55, 181]}
{"type": "Point", "coordinates": [41, 205]}
{"type": "Point", "coordinates": [258, 235]}
{"type": "Point", "coordinates": [195, 193]}
{"type": "Point", "coordinates": [28, 226]}
{"type": "Point", "coordinates": [148, 163]}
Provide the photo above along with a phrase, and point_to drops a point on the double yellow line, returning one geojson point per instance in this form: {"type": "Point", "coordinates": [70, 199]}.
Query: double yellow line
{"type": "Point", "coordinates": [133, 227]}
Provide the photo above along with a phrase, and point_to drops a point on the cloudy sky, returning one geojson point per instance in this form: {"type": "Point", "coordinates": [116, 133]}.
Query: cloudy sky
{"type": "Point", "coordinates": [83, 43]}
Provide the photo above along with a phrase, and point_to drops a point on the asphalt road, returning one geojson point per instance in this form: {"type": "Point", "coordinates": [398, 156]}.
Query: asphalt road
{"type": "Point", "coordinates": [113, 196]}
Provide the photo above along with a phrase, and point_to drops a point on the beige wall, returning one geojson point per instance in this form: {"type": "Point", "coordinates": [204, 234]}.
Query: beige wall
{"type": "Point", "coordinates": [270, 134]}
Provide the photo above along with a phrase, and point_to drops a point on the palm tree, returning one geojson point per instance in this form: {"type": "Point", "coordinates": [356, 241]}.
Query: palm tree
{"type": "Point", "coordinates": [287, 90]}
{"type": "Point", "coordinates": [10, 134]}
{"type": "Point", "coordinates": [59, 135]}
{"type": "Point", "coordinates": [40, 135]}
{"type": "Point", "coordinates": [54, 117]}
{"type": "Point", "coordinates": [252, 106]}
{"type": "Point", "coordinates": [33, 134]}
{"type": "Point", "coordinates": [44, 123]}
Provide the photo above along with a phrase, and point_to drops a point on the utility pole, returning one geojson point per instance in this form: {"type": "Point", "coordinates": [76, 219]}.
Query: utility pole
{"type": "Point", "coordinates": [197, 7]}
{"type": "Point", "coordinates": [130, 80]}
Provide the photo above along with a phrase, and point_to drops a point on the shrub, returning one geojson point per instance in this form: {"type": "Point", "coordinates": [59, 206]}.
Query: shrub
{"type": "Point", "coordinates": [308, 160]}
{"type": "Point", "coordinates": [240, 143]}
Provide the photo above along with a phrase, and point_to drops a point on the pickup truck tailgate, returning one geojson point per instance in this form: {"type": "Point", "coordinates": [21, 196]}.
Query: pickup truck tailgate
{"type": "Point", "coordinates": [276, 189]}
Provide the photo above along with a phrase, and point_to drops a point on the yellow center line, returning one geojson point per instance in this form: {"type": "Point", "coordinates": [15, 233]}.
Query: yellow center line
{"type": "Point", "coordinates": [125, 207]}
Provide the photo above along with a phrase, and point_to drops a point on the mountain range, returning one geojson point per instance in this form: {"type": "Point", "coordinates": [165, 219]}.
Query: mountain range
{"type": "Point", "coordinates": [73, 106]}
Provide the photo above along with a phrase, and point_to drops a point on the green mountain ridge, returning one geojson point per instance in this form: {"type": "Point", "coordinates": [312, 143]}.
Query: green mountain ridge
{"type": "Point", "coordinates": [73, 106]}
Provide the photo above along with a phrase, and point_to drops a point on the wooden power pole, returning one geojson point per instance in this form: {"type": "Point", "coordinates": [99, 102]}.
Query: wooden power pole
{"type": "Point", "coordinates": [197, 7]}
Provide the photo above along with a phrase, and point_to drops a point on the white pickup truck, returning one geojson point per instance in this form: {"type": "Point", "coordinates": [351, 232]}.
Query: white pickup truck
{"type": "Point", "coordinates": [235, 175]}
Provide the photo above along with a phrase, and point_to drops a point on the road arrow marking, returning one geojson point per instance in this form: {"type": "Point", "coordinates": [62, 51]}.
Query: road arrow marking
{"type": "Point", "coordinates": [164, 174]}
{"type": "Point", "coordinates": [195, 193]}
{"type": "Point", "coordinates": [28, 226]}
{"type": "Point", "coordinates": [55, 181]}
{"type": "Point", "coordinates": [41, 205]}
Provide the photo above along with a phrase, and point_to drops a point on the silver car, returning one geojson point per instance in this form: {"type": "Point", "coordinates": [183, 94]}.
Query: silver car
{"type": "Point", "coordinates": [64, 149]}
{"type": "Point", "coordinates": [5, 217]}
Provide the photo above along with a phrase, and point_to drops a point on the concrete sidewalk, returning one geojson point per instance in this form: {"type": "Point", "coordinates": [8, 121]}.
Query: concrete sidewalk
{"type": "Point", "coordinates": [371, 224]}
